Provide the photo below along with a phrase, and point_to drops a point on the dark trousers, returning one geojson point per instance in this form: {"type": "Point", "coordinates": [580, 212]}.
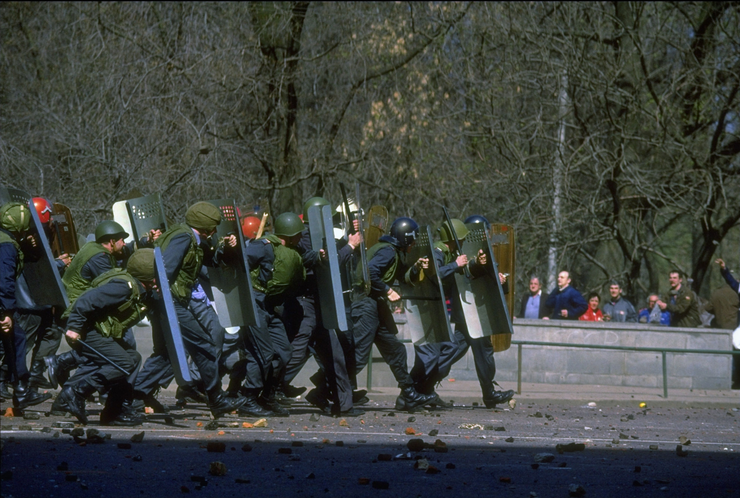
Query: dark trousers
{"type": "Point", "coordinates": [267, 351]}
{"type": "Point", "coordinates": [300, 323]}
{"type": "Point", "coordinates": [43, 335]}
{"type": "Point", "coordinates": [200, 344]}
{"type": "Point", "coordinates": [330, 352]}
{"type": "Point", "coordinates": [432, 363]}
{"type": "Point", "coordinates": [14, 347]}
{"type": "Point", "coordinates": [372, 322]}
{"type": "Point", "coordinates": [485, 365]}
{"type": "Point", "coordinates": [99, 373]}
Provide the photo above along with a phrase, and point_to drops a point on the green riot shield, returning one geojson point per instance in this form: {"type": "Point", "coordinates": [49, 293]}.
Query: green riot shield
{"type": "Point", "coordinates": [230, 283]}
{"type": "Point", "coordinates": [40, 283]}
{"type": "Point", "coordinates": [65, 236]}
{"type": "Point", "coordinates": [169, 325]}
{"type": "Point", "coordinates": [482, 296]}
{"type": "Point", "coordinates": [423, 301]}
{"type": "Point", "coordinates": [328, 277]}
{"type": "Point", "coordinates": [145, 214]}
{"type": "Point", "coordinates": [377, 225]}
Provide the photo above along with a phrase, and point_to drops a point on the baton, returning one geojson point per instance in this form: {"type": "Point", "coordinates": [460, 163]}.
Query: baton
{"type": "Point", "coordinates": [363, 249]}
{"type": "Point", "coordinates": [262, 225]}
{"type": "Point", "coordinates": [119, 367]}
{"type": "Point", "coordinates": [454, 237]}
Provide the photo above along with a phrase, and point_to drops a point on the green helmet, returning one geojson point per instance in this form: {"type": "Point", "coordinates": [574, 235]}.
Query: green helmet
{"type": "Point", "coordinates": [109, 229]}
{"type": "Point", "coordinates": [313, 201]}
{"type": "Point", "coordinates": [141, 265]}
{"type": "Point", "coordinates": [288, 225]}
{"type": "Point", "coordinates": [15, 217]}
{"type": "Point", "coordinates": [460, 230]}
{"type": "Point", "coordinates": [203, 215]}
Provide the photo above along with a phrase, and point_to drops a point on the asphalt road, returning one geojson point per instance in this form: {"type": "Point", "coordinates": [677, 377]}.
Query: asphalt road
{"type": "Point", "coordinates": [466, 451]}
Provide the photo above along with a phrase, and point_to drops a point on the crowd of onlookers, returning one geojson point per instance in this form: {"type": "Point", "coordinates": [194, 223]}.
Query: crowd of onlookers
{"type": "Point", "coordinates": [679, 307]}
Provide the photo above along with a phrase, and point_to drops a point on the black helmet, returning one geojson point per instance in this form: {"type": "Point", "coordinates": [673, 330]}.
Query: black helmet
{"type": "Point", "coordinates": [288, 225]}
{"type": "Point", "coordinates": [313, 201]}
{"type": "Point", "coordinates": [109, 229]}
{"type": "Point", "coordinates": [476, 218]}
{"type": "Point", "coordinates": [404, 230]}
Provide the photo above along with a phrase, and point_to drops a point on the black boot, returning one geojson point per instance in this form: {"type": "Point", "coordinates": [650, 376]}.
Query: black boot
{"type": "Point", "coordinates": [143, 400]}
{"type": "Point", "coordinates": [24, 396]}
{"type": "Point", "coordinates": [220, 404]}
{"type": "Point", "coordinates": [189, 394]}
{"type": "Point", "coordinates": [269, 401]}
{"type": "Point", "coordinates": [119, 409]}
{"type": "Point", "coordinates": [318, 399]}
{"type": "Point", "coordinates": [72, 400]}
{"type": "Point", "coordinates": [4, 393]}
{"type": "Point", "coordinates": [496, 397]}
{"type": "Point", "coordinates": [58, 368]}
{"type": "Point", "coordinates": [37, 379]}
{"type": "Point", "coordinates": [410, 399]}
{"type": "Point", "coordinates": [250, 408]}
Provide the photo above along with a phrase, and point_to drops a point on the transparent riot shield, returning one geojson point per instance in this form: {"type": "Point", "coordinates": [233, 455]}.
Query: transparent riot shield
{"type": "Point", "coordinates": [230, 282]}
{"type": "Point", "coordinates": [423, 301]}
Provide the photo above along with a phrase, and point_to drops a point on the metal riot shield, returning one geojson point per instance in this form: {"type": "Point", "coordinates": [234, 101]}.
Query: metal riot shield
{"type": "Point", "coordinates": [377, 225]}
{"type": "Point", "coordinates": [503, 244]}
{"type": "Point", "coordinates": [483, 299]}
{"type": "Point", "coordinates": [146, 214]}
{"type": "Point", "coordinates": [231, 285]}
{"type": "Point", "coordinates": [424, 302]}
{"type": "Point", "coordinates": [65, 236]}
{"type": "Point", "coordinates": [328, 277]}
{"type": "Point", "coordinates": [42, 280]}
{"type": "Point", "coordinates": [120, 216]}
{"type": "Point", "coordinates": [168, 323]}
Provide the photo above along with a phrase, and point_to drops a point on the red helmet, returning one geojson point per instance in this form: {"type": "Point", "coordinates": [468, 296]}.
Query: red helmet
{"type": "Point", "coordinates": [250, 226]}
{"type": "Point", "coordinates": [43, 208]}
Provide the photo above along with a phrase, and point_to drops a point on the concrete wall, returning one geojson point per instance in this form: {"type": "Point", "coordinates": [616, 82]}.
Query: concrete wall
{"type": "Point", "coordinates": [563, 365]}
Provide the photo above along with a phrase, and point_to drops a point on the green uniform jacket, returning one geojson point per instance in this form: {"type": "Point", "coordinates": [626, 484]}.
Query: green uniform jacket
{"type": "Point", "coordinates": [685, 310]}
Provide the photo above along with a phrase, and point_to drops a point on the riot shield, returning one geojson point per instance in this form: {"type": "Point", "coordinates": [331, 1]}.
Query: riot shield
{"type": "Point", "coordinates": [231, 285]}
{"type": "Point", "coordinates": [503, 244]}
{"type": "Point", "coordinates": [482, 297]}
{"type": "Point", "coordinates": [328, 277]}
{"type": "Point", "coordinates": [65, 236]}
{"type": "Point", "coordinates": [146, 213]}
{"type": "Point", "coordinates": [169, 325]}
{"type": "Point", "coordinates": [424, 302]}
{"type": "Point", "coordinates": [377, 225]}
{"type": "Point", "coordinates": [120, 216]}
{"type": "Point", "coordinates": [42, 280]}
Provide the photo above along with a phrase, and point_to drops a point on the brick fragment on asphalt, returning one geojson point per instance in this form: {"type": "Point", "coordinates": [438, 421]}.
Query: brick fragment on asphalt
{"type": "Point", "coordinates": [544, 457]}
{"type": "Point", "coordinates": [509, 439]}
{"type": "Point", "coordinates": [314, 417]}
{"type": "Point", "coordinates": [216, 447]}
{"type": "Point", "coordinates": [653, 447]}
{"type": "Point", "coordinates": [415, 444]}
{"type": "Point", "coordinates": [31, 416]}
{"type": "Point", "coordinates": [411, 419]}
{"type": "Point", "coordinates": [138, 437]}
{"type": "Point", "coordinates": [570, 447]}
{"type": "Point", "coordinates": [217, 469]}
{"type": "Point", "coordinates": [77, 432]}
{"type": "Point", "coordinates": [433, 432]}
{"type": "Point", "coordinates": [576, 490]}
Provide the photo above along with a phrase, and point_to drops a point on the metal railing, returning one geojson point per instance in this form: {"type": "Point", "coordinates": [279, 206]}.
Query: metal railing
{"type": "Point", "coordinates": [662, 351]}
{"type": "Point", "coordinates": [519, 344]}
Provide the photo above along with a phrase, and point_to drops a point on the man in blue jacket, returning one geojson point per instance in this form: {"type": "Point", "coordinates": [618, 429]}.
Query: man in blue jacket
{"type": "Point", "coordinates": [565, 302]}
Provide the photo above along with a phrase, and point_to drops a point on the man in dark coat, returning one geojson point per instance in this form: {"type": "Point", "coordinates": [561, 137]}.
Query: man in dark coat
{"type": "Point", "coordinates": [566, 302]}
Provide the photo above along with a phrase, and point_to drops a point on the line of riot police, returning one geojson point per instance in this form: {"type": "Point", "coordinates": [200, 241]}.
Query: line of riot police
{"type": "Point", "coordinates": [225, 299]}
